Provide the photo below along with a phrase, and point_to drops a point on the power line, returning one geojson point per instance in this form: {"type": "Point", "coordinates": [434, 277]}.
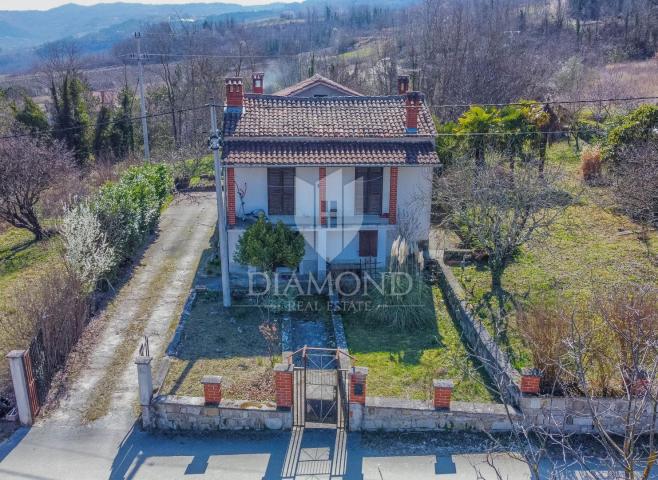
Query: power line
{"type": "Point", "coordinates": [547, 102]}
{"type": "Point", "coordinates": [110, 122]}
{"type": "Point", "coordinates": [370, 107]}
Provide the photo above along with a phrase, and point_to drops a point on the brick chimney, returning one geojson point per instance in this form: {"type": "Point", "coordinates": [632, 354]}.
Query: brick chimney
{"type": "Point", "coordinates": [403, 84]}
{"type": "Point", "coordinates": [234, 94]}
{"type": "Point", "coordinates": [257, 82]}
{"type": "Point", "coordinates": [412, 107]}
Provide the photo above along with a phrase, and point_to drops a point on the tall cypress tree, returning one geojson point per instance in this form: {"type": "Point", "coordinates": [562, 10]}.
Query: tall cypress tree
{"type": "Point", "coordinates": [72, 122]}
{"type": "Point", "coordinates": [123, 134]}
{"type": "Point", "coordinates": [103, 131]}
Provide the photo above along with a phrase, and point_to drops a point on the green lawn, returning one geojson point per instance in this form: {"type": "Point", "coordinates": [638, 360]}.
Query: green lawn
{"type": "Point", "coordinates": [403, 363]}
{"type": "Point", "coordinates": [589, 248]}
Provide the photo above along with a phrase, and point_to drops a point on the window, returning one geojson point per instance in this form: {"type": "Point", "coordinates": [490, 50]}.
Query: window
{"type": "Point", "coordinates": [369, 187]}
{"type": "Point", "coordinates": [368, 243]}
{"type": "Point", "coordinates": [281, 191]}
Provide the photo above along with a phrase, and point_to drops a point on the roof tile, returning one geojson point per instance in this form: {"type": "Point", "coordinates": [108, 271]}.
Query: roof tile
{"type": "Point", "coordinates": [327, 117]}
{"type": "Point", "coordinates": [263, 153]}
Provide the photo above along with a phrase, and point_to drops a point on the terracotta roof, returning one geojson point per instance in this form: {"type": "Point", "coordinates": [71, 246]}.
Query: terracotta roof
{"type": "Point", "coordinates": [314, 80]}
{"type": "Point", "coordinates": [256, 153]}
{"type": "Point", "coordinates": [326, 117]}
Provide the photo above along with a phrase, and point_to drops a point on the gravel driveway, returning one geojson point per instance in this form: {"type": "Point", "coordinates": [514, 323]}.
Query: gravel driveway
{"type": "Point", "coordinates": [148, 304]}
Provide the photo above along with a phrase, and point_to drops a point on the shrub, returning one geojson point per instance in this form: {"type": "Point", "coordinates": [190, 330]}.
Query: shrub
{"type": "Point", "coordinates": [632, 129]}
{"type": "Point", "coordinates": [87, 251]}
{"type": "Point", "coordinates": [590, 164]}
{"type": "Point", "coordinates": [129, 209]}
{"type": "Point", "coordinates": [543, 329]}
{"type": "Point", "coordinates": [269, 246]}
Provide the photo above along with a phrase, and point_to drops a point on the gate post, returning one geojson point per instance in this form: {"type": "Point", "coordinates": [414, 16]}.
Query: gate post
{"type": "Point", "coordinates": [358, 381]}
{"type": "Point", "coordinates": [145, 380]}
{"type": "Point", "coordinates": [283, 385]}
{"type": "Point", "coordinates": [19, 380]}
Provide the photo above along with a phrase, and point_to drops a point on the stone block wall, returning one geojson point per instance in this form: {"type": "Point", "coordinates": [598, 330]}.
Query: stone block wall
{"type": "Point", "coordinates": [573, 414]}
{"type": "Point", "coordinates": [493, 359]}
{"type": "Point", "coordinates": [391, 414]}
{"type": "Point", "coordinates": [170, 412]}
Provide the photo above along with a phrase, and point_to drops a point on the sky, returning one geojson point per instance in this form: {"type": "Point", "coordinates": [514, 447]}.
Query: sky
{"type": "Point", "coordinates": [47, 4]}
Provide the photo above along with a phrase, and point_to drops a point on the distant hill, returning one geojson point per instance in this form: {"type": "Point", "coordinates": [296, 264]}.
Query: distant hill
{"type": "Point", "coordinates": [98, 27]}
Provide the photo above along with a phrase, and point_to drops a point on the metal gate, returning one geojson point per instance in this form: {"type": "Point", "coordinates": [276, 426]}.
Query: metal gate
{"type": "Point", "coordinates": [320, 388]}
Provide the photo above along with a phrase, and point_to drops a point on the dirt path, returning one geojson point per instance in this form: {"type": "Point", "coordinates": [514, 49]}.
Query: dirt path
{"type": "Point", "coordinates": [105, 391]}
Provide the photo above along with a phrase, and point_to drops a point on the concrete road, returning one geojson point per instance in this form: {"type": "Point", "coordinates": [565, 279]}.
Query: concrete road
{"type": "Point", "coordinates": [56, 453]}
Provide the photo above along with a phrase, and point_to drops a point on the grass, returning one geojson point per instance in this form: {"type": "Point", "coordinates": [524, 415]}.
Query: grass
{"type": "Point", "coordinates": [225, 342]}
{"type": "Point", "coordinates": [588, 249]}
{"type": "Point", "coordinates": [21, 259]}
{"type": "Point", "coordinates": [403, 363]}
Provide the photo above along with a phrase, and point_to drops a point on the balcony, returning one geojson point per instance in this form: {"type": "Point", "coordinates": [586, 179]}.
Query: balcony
{"type": "Point", "coordinates": [309, 222]}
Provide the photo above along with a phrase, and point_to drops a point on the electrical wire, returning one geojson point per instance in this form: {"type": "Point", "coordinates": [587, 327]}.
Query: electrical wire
{"type": "Point", "coordinates": [370, 107]}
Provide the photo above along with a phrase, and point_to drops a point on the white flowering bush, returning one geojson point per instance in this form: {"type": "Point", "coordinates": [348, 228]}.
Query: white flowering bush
{"type": "Point", "coordinates": [87, 250]}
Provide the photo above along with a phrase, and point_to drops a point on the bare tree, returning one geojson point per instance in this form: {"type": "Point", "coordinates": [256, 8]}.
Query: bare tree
{"type": "Point", "coordinates": [498, 210]}
{"type": "Point", "coordinates": [28, 167]}
{"type": "Point", "coordinates": [635, 187]}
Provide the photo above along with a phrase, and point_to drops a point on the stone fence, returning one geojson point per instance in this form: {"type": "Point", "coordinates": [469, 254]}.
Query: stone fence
{"type": "Point", "coordinates": [574, 414]}
{"type": "Point", "coordinates": [494, 360]}
{"type": "Point", "coordinates": [169, 412]}
{"type": "Point", "coordinates": [392, 414]}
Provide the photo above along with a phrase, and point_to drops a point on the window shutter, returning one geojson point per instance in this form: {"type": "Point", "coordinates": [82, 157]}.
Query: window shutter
{"type": "Point", "coordinates": [274, 206]}
{"type": "Point", "coordinates": [288, 200]}
{"type": "Point", "coordinates": [368, 243]}
{"type": "Point", "coordinates": [373, 244]}
{"type": "Point", "coordinates": [281, 191]}
{"type": "Point", "coordinates": [363, 244]}
{"type": "Point", "coordinates": [375, 188]}
{"type": "Point", "coordinates": [359, 198]}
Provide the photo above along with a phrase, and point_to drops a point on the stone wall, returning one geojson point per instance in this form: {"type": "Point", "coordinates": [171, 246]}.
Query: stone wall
{"type": "Point", "coordinates": [170, 412]}
{"type": "Point", "coordinates": [392, 414]}
{"type": "Point", "coordinates": [494, 360]}
{"type": "Point", "coordinates": [573, 414]}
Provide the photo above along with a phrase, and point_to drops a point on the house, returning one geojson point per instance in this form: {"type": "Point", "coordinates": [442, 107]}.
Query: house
{"type": "Point", "coordinates": [349, 172]}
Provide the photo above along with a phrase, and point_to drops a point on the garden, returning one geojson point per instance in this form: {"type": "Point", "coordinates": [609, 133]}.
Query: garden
{"type": "Point", "coordinates": [563, 267]}
{"type": "Point", "coordinates": [402, 362]}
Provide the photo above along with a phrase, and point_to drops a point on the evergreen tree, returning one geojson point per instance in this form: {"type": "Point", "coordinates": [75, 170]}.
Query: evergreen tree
{"type": "Point", "coordinates": [32, 116]}
{"type": "Point", "coordinates": [103, 131]}
{"type": "Point", "coordinates": [72, 122]}
{"type": "Point", "coordinates": [123, 135]}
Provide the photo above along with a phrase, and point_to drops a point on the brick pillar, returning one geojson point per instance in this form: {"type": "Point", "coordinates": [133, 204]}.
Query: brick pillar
{"type": "Point", "coordinates": [393, 197]}
{"type": "Point", "coordinates": [530, 381]}
{"type": "Point", "coordinates": [442, 393]}
{"type": "Point", "coordinates": [323, 196]}
{"type": "Point", "coordinates": [283, 385]}
{"type": "Point", "coordinates": [358, 383]}
{"type": "Point", "coordinates": [230, 195]}
{"type": "Point", "coordinates": [212, 389]}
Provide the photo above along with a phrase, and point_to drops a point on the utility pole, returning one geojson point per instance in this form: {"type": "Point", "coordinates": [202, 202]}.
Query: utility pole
{"type": "Point", "coordinates": [142, 100]}
{"type": "Point", "coordinates": [221, 213]}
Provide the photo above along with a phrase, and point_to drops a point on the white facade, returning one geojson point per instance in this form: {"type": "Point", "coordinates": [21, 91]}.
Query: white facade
{"type": "Point", "coordinates": [338, 241]}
